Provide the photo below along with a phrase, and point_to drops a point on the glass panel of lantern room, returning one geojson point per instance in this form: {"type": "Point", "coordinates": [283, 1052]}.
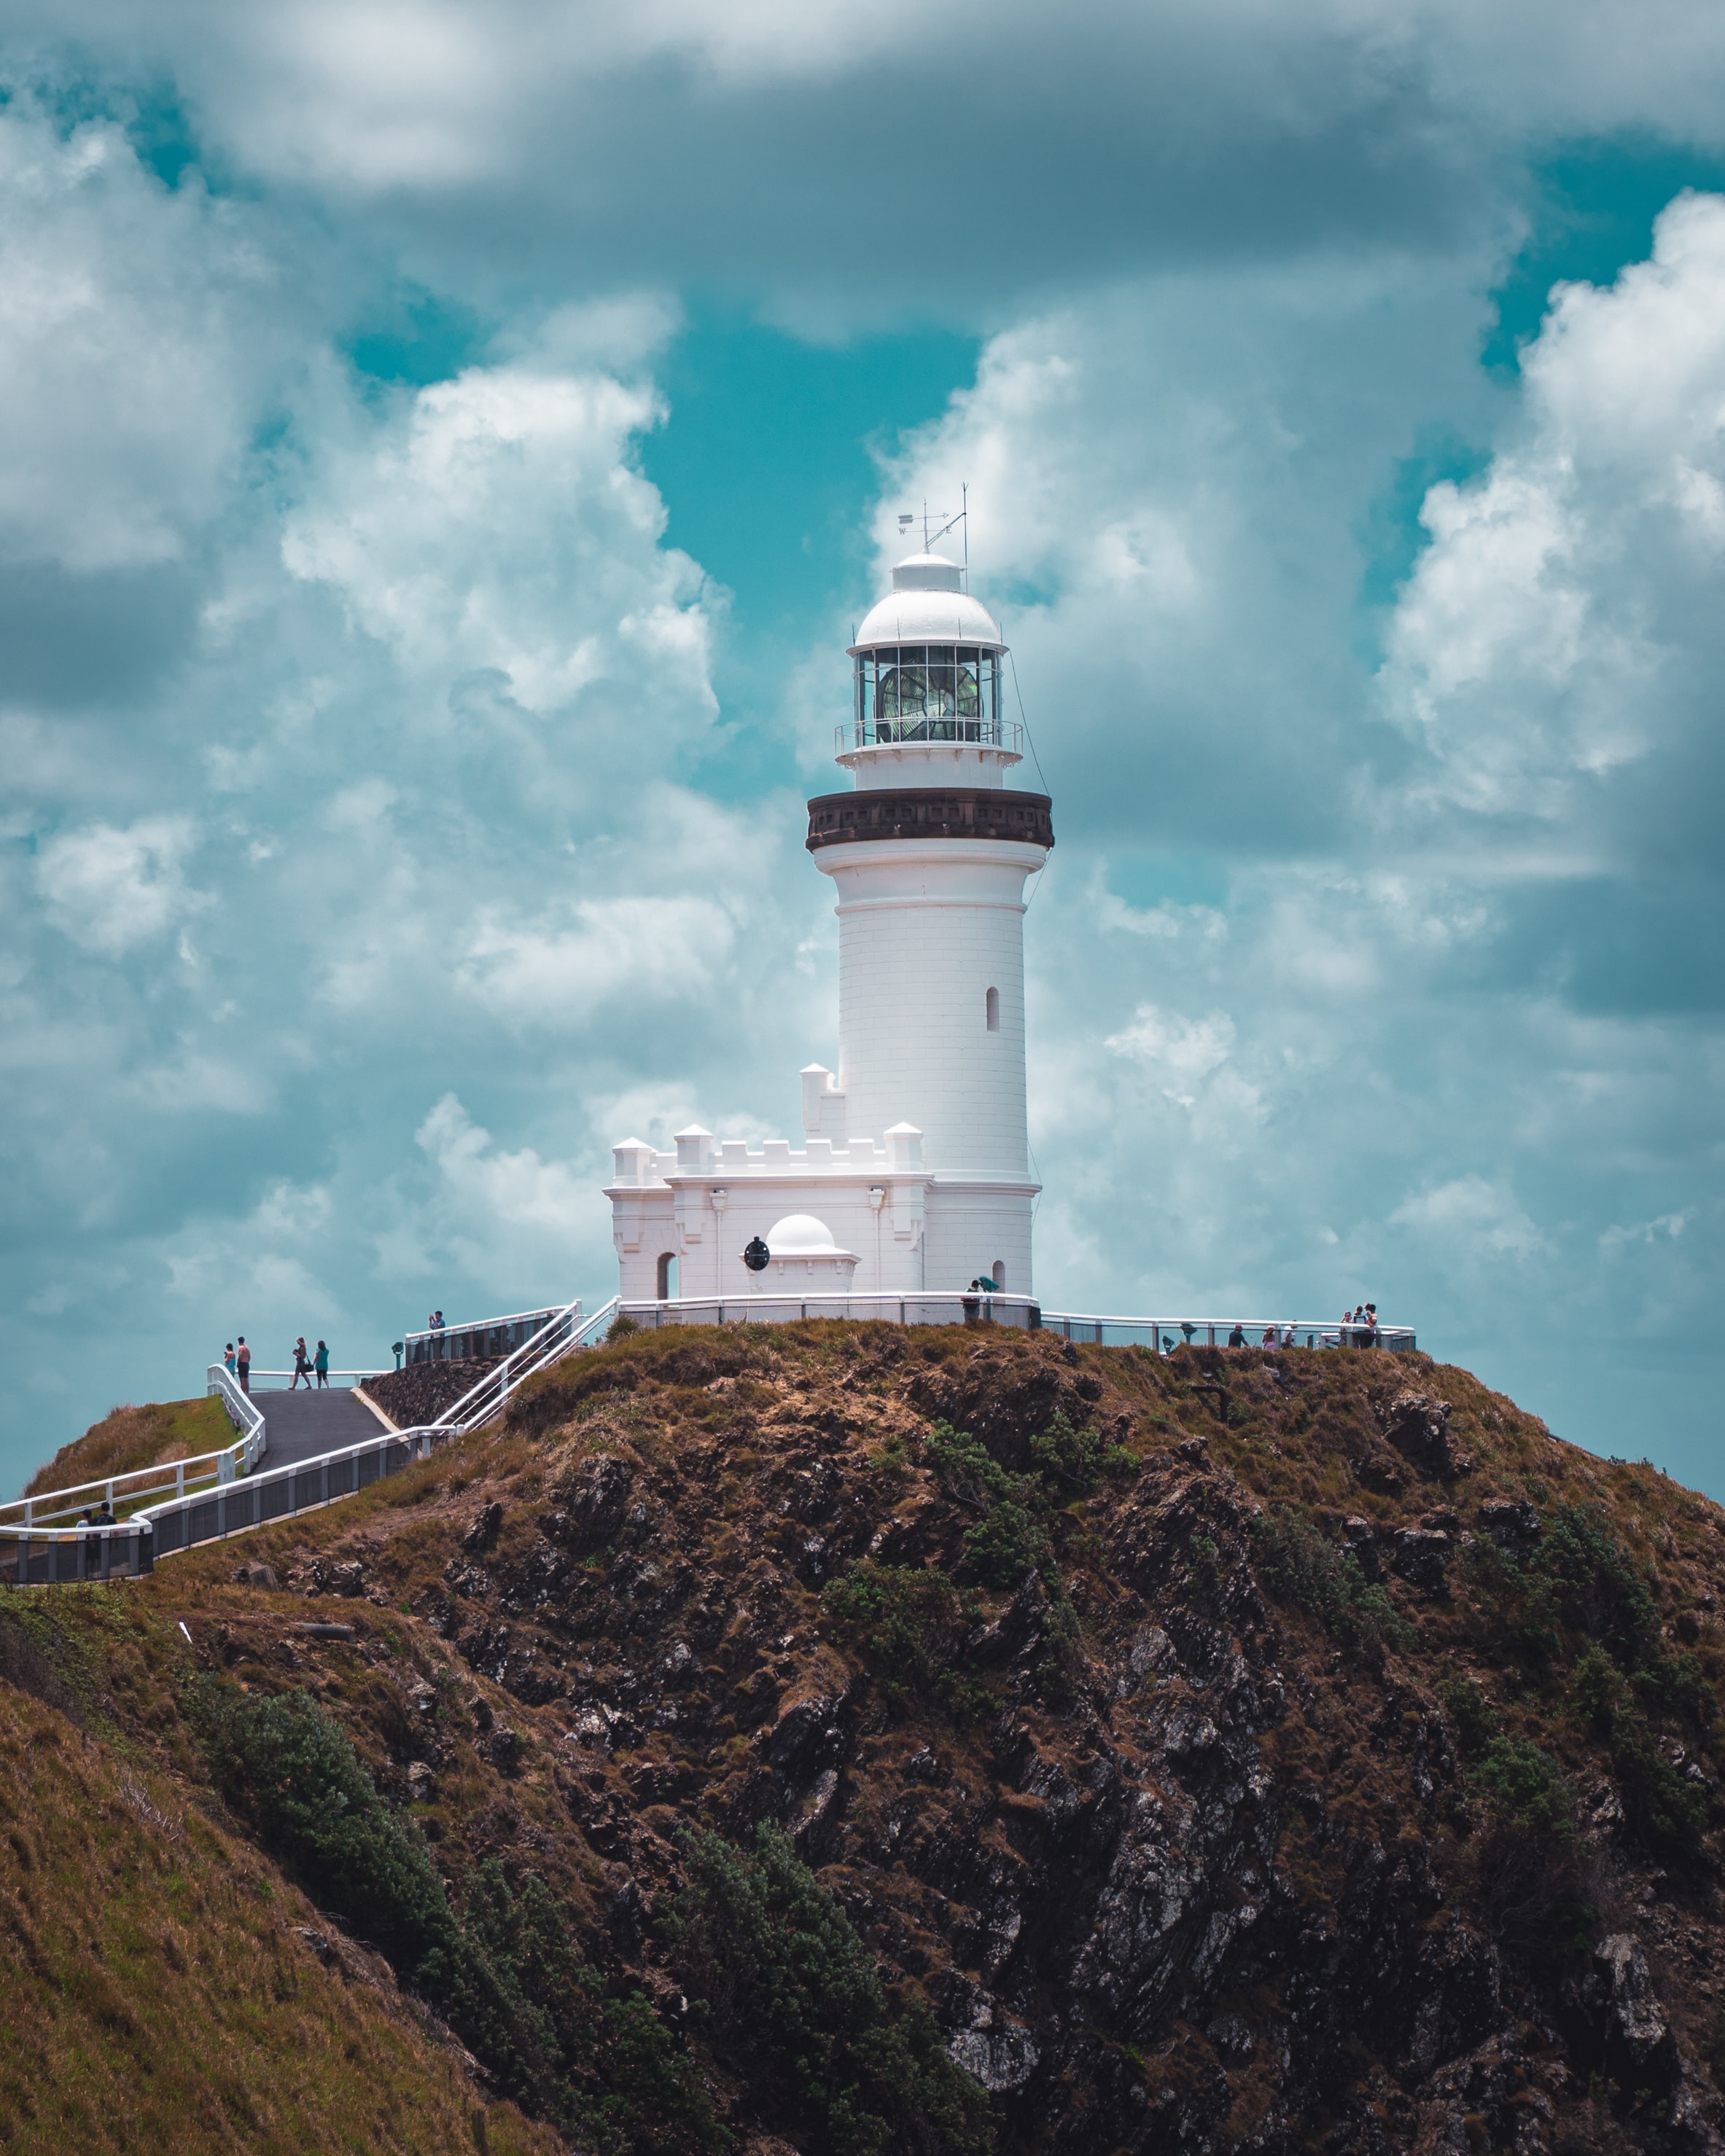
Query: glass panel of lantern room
{"type": "Point", "coordinates": [970, 705]}
{"type": "Point", "coordinates": [941, 700]}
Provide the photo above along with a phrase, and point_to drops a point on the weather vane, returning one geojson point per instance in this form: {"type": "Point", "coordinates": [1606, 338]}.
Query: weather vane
{"type": "Point", "coordinates": [934, 529]}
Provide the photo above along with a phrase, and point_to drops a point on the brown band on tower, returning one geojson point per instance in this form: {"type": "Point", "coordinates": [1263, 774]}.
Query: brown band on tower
{"type": "Point", "coordinates": [927, 812]}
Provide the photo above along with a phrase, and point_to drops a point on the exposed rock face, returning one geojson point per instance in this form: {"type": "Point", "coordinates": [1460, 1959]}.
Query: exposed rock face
{"type": "Point", "coordinates": [1180, 1862]}
{"type": "Point", "coordinates": [1418, 1428]}
{"type": "Point", "coordinates": [1639, 2049]}
{"type": "Point", "coordinates": [1512, 1523]}
{"type": "Point", "coordinates": [1421, 1557]}
{"type": "Point", "coordinates": [422, 1391]}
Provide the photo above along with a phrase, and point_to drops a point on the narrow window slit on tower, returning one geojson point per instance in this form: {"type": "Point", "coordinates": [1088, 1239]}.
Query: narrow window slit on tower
{"type": "Point", "coordinates": [992, 1005]}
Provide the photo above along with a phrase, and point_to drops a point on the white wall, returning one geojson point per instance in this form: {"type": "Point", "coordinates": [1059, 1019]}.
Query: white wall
{"type": "Point", "coordinates": [926, 928]}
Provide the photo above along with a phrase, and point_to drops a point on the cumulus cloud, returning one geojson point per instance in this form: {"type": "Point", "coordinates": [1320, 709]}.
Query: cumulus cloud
{"type": "Point", "coordinates": [506, 1214]}
{"type": "Point", "coordinates": [132, 347]}
{"type": "Point", "coordinates": [1474, 1216]}
{"type": "Point", "coordinates": [502, 141]}
{"type": "Point", "coordinates": [113, 890]}
{"type": "Point", "coordinates": [498, 527]}
{"type": "Point", "coordinates": [1564, 624]}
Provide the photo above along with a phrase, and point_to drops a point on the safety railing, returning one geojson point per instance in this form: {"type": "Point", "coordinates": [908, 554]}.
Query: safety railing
{"type": "Point", "coordinates": [1163, 1335]}
{"type": "Point", "coordinates": [476, 1338]}
{"type": "Point", "coordinates": [127, 1494]}
{"type": "Point", "coordinates": [563, 1331]}
{"type": "Point", "coordinates": [871, 732]}
{"type": "Point", "coordinates": [36, 1551]}
{"type": "Point", "coordinates": [282, 1381]}
{"type": "Point", "coordinates": [910, 1309]}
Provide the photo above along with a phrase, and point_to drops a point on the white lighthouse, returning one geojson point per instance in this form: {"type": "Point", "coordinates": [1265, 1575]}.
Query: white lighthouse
{"type": "Point", "coordinates": [914, 1174]}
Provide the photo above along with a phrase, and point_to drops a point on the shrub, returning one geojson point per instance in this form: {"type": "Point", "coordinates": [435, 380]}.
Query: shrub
{"type": "Point", "coordinates": [1077, 1459]}
{"type": "Point", "coordinates": [292, 1772]}
{"type": "Point", "coordinates": [1515, 1610]}
{"type": "Point", "coordinates": [795, 2005]}
{"type": "Point", "coordinates": [1677, 1686]}
{"type": "Point", "coordinates": [1525, 1789]}
{"type": "Point", "coordinates": [1471, 1717]}
{"type": "Point", "coordinates": [907, 1623]}
{"type": "Point", "coordinates": [1298, 1564]}
{"type": "Point", "coordinates": [504, 1970]}
{"type": "Point", "coordinates": [1011, 1538]}
{"type": "Point", "coordinates": [1665, 1813]}
{"type": "Point", "coordinates": [1599, 1591]}
{"type": "Point", "coordinates": [1530, 1888]}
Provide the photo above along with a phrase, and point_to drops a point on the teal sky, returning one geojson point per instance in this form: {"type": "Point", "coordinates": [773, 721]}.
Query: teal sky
{"type": "Point", "coordinates": [446, 452]}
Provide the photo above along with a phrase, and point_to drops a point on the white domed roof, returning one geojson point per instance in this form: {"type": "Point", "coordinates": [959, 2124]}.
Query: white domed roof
{"type": "Point", "coordinates": [926, 605]}
{"type": "Point", "coordinates": [799, 1234]}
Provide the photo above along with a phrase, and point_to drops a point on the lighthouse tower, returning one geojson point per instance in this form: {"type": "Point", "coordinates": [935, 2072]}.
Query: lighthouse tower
{"type": "Point", "coordinates": [914, 1171]}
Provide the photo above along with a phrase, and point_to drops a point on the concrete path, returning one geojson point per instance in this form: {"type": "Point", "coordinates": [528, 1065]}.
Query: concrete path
{"type": "Point", "coordinates": [300, 1425]}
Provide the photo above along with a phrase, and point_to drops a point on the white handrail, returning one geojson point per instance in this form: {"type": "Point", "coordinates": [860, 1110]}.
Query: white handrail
{"type": "Point", "coordinates": [949, 1305]}
{"type": "Point", "coordinates": [566, 1331]}
{"type": "Point", "coordinates": [554, 1338]}
{"type": "Point", "coordinates": [131, 1484]}
{"type": "Point", "coordinates": [481, 1324]}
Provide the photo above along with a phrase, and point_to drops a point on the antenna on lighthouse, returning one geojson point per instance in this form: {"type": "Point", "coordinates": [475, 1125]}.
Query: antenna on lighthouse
{"type": "Point", "coordinates": [907, 517]}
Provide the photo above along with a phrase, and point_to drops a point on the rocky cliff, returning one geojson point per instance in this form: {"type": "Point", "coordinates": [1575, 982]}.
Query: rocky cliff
{"type": "Point", "coordinates": [954, 1739]}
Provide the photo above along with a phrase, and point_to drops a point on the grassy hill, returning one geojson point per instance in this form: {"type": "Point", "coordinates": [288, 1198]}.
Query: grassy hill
{"type": "Point", "coordinates": [861, 1739]}
{"type": "Point", "coordinates": [131, 1437]}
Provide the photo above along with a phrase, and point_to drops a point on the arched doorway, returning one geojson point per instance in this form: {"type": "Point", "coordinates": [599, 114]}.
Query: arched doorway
{"type": "Point", "coordinates": [667, 1276]}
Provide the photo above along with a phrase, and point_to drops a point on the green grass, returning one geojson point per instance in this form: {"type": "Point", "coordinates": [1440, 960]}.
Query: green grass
{"type": "Point", "coordinates": [130, 1438]}
{"type": "Point", "coordinates": [156, 1993]}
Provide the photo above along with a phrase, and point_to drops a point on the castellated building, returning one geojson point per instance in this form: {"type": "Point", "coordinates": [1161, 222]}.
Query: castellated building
{"type": "Point", "coordinates": [913, 1174]}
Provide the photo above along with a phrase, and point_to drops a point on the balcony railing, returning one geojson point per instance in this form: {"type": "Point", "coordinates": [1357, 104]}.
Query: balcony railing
{"type": "Point", "coordinates": [1160, 1335]}
{"type": "Point", "coordinates": [475, 1339]}
{"type": "Point", "coordinates": [868, 732]}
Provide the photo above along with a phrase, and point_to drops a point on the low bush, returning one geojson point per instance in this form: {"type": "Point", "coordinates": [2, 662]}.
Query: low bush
{"type": "Point", "coordinates": [795, 2005]}
{"type": "Point", "coordinates": [1599, 1592]}
{"type": "Point", "coordinates": [1664, 1812]}
{"type": "Point", "coordinates": [908, 1624]}
{"type": "Point", "coordinates": [1298, 1564]}
{"type": "Point", "coordinates": [502, 1968]}
{"type": "Point", "coordinates": [1076, 1458]}
{"type": "Point", "coordinates": [1013, 1535]}
{"type": "Point", "coordinates": [1471, 1717]}
{"type": "Point", "coordinates": [1532, 1892]}
{"type": "Point", "coordinates": [1525, 1788]}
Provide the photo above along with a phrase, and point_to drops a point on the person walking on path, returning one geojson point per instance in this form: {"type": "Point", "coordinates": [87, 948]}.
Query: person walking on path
{"type": "Point", "coordinates": [242, 1359]}
{"type": "Point", "coordinates": [301, 1364]}
{"type": "Point", "coordinates": [320, 1363]}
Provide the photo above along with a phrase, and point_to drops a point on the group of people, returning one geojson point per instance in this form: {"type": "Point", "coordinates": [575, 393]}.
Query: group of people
{"type": "Point", "coordinates": [236, 1360]}
{"type": "Point", "coordinates": [1359, 1329]}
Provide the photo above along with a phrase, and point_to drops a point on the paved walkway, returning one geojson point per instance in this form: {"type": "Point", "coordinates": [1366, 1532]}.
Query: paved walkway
{"type": "Point", "coordinates": [300, 1425]}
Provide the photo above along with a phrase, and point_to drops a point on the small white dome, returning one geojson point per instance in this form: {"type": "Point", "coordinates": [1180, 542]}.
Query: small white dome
{"type": "Point", "coordinates": [799, 1235]}
{"type": "Point", "coordinates": [926, 605]}
{"type": "Point", "coordinates": [927, 572]}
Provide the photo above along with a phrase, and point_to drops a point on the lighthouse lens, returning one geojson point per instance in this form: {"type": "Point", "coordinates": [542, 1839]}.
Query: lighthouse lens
{"type": "Point", "coordinates": [929, 692]}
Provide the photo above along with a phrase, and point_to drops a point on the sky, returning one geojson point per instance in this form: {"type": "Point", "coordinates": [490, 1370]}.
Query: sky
{"type": "Point", "coordinates": [444, 448]}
